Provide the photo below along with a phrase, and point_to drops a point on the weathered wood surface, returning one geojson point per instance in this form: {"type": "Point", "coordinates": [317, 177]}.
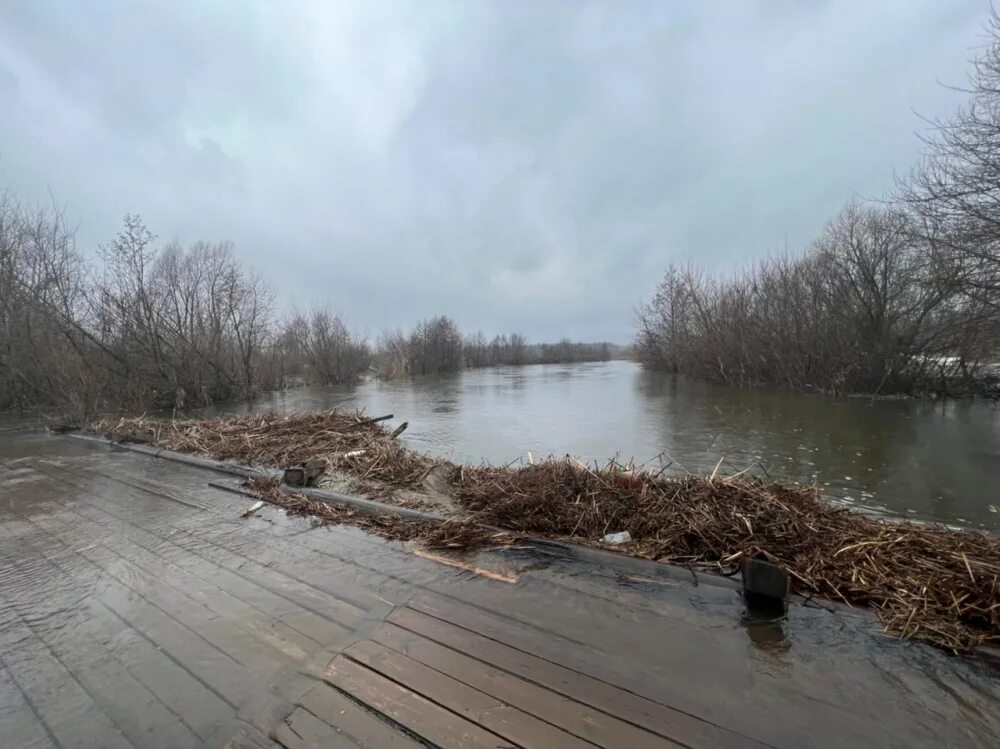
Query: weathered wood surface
{"type": "Point", "coordinates": [451, 686]}
{"type": "Point", "coordinates": [139, 608]}
{"type": "Point", "coordinates": [166, 618]}
{"type": "Point", "coordinates": [134, 613]}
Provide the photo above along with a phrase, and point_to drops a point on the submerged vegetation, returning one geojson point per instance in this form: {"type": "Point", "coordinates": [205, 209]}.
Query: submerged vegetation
{"type": "Point", "coordinates": [144, 326]}
{"type": "Point", "coordinates": [898, 296]}
{"type": "Point", "coordinates": [926, 583]}
{"type": "Point", "coordinates": [869, 309]}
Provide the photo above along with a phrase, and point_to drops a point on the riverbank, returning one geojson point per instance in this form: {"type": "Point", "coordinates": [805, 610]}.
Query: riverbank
{"type": "Point", "coordinates": [925, 583]}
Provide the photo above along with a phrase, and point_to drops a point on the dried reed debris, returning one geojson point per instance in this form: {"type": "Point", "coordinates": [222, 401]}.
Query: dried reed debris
{"type": "Point", "coordinates": [933, 584]}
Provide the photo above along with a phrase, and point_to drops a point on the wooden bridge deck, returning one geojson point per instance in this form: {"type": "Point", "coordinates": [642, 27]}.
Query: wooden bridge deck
{"type": "Point", "coordinates": [450, 675]}
{"type": "Point", "coordinates": [139, 609]}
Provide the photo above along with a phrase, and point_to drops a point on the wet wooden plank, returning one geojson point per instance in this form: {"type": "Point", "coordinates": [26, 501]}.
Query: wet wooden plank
{"type": "Point", "coordinates": [593, 645]}
{"type": "Point", "coordinates": [218, 671]}
{"type": "Point", "coordinates": [298, 560]}
{"type": "Point", "coordinates": [203, 647]}
{"type": "Point", "coordinates": [272, 629]}
{"type": "Point", "coordinates": [490, 712]}
{"type": "Point", "coordinates": [68, 711]}
{"type": "Point", "coordinates": [41, 743]}
{"type": "Point", "coordinates": [58, 576]}
{"type": "Point", "coordinates": [385, 566]}
{"type": "Point", "coordinates": [362, 725]}
{"type": "Point", "coordinates": [138, 713]}
{"type": "Point", "coordinates": [250, 738]}
{"type": "Point", "coordinates": [186, 695]}
{"type": "Point", "coordinates": [284, 571]}
{"type": "Point", "coordinates": [303, 730]}
{"type": "Point", "coordinates": [546, 636]}
{"type": "Point", "coordinates": [195, 541]}
{"type": "Point", "coordinates": [318, 614]}
{"type": "Point", "coordinates": [302, 561]}
{"type": "Point", "coordinates": [426, 719]}
{"type": "Point", "coordinates": [154, 488]}
{"type": "Point", "coordinates": [258, 623]}
{"type": "Point", "coordinates": [145, 598]}
{"type": "Point", "coordinates": [284, 636]}
{"type": "Point", "coordinates": [359, 562]}
{"type": "Point", "coordinates": [649, 672]}
{"type": "Point", "coordinates": [660, 719]}
{"type": "Point", "coordinates": [19, 726]}
{"type": "Point", "coordinates": [218, 547]}
{"type": "Point", "coordinates": [203, 571]}
{"type": "Point", "coordinates": [572, 717]}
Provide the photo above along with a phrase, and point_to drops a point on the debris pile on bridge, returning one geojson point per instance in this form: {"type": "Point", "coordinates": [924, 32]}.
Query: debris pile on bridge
{"type": "Point", "coordinates": [348, 441]}
{"type": "Point", "coordinates": [927, 583]}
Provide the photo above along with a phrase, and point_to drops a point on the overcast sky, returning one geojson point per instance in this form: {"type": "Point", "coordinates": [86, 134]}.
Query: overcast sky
{"type": "Point", "coordinates": [528, 166]}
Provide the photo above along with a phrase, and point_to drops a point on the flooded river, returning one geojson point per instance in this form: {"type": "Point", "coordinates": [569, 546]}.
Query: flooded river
{"type": "Point", "coordinates": [931, 460]}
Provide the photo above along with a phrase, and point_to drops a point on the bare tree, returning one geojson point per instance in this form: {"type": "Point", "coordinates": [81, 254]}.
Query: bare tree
{"type": "Point", "coordinates": [392, 355]}
{"type": "Point", "coordinates": [333, 354]}
{"type": "Point", "coordinates": [862, 310]}
{"type": "Point", "coordinates": [955, 190]}
{"type": "Point", "coordinates": [192, 324]}
{"type": "Point", "coordinates": [44, 357]}
{"type": "Point", "coordinates": [435, 346]}
{"type": "Point", "coordinates": [147, 327]}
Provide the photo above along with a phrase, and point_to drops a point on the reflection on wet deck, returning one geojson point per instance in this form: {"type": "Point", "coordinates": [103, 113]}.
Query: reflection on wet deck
{"type": "Point", "coordinates": [137, 608]}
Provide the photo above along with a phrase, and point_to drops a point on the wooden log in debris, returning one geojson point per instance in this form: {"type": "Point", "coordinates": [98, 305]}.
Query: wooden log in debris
{"type": "Point", "coordinates": [375, 420]}
{"type": "Point", "coordinates": [399, 430]}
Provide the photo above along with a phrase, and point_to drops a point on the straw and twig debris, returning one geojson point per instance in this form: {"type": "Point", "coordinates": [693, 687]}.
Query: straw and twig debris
{"type": "Point", "coordinates": [927, 583]}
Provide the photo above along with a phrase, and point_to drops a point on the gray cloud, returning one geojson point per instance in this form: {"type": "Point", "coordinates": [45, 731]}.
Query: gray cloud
{"type": "Point", "coordinates": [523, 166]}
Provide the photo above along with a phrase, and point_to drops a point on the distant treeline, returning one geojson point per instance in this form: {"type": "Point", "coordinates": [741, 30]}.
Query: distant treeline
{"type": "Point", "coordinates": [147, 326]}
{"type": "Point", "coordinates": [513, 350]}
{"type": "Point", "coordinates": [899, 296]}
{"type": "Point", "coordinates": [318, 347]}
{"type": "Point", "coordinates": [437, 346]}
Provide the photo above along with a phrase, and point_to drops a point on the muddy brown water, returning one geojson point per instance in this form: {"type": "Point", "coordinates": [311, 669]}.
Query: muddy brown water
{"type": "Point", "coordinates": [930, 460]}
{"type": "Point", "coordinates": [137, 608]}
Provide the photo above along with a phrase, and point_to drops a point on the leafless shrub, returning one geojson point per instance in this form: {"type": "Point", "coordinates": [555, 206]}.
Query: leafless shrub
{"type": "Point", "coordinates": [44, 356]}
{"type": "Point", "coordinates": [514, 350]}
{"type": "Point", "coordinates": [435, 347]}
{"type": "Point", "coordinates": [392, 355]}
{"type": "Point", "coordinates": [863, 310]}
{"type": "Point", "coordinates": [190, 323]}
{"type": "Point", "coordinates": [147, 327]}
{"type": "Point", "coordinates": [503, 350]}
{"type": "Point", "coordinates": [330, 352]}
{"type": "Point", "coordinates": [570, 352]}
{"type": "Point", "coordinates": [903, 297]}
{"type": "Point", "coordinates": [955, 190]}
